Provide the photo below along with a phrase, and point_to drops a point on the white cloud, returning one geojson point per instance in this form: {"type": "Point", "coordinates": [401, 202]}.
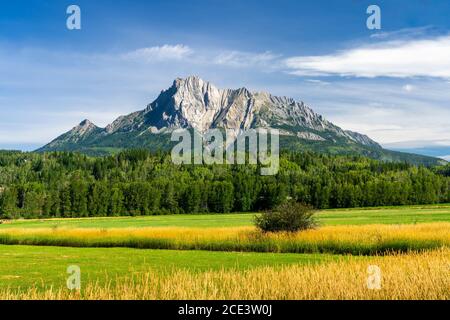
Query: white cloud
{"type": "Point", "coordinates": [225, 58]}
{"type": "Point", "coordinates": [246, 59]}
{"type": "Point", "coordinates": [317, 81]}
{"type": "Point", "coordinates": [402, 33]}
{"type": "Point", "coordinates": [160, 53]}
{"type": "Point", "coordinates": [398, 59]}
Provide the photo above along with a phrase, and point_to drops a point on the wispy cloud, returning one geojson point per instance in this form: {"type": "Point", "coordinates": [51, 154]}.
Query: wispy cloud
{"type": "Point", "coordinates": [317, 81]}
{"type": "Point", "coordinates": [398, 59]}
{"type": "Point", "coordinates": [160, 53]}
{"type": "Point", "coordinates": [406, 33]}
{"type": "Point", "coordinates": [184, 53]}
{"type": "Point", "coordinates": [246, 59]}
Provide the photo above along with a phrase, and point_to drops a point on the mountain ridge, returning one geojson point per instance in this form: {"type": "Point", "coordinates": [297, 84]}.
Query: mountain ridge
{"type": "Point", "coordinates": [193, 103]}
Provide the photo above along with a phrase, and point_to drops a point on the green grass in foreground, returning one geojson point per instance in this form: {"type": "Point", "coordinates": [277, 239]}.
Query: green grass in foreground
{"type": "Point", "coordinates": [24, 266]}
{"type": "Point", "coordinates": [387, 215]}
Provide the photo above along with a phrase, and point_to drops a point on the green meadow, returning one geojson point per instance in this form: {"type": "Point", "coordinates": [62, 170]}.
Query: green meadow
{"type": "Point", "coordinates": [44, 267]}
{"type": "Point", "coordinates": [387, 215]}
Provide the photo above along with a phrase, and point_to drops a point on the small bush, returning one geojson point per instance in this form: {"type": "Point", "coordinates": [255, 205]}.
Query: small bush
{"type": "Point", "coordinates": [288, 217]}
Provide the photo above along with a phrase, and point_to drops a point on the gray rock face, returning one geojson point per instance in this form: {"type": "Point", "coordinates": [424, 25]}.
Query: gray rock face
{"type": "Point", "coordinates": [196, 104]}
{"type": "Point", "coordinates": [84, 128]}
{"type": "Point", "coordinates": [310, 136]}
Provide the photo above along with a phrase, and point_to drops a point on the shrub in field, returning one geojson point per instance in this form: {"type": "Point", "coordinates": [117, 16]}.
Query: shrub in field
{"type": "Point", "coordinates": [288, 217]}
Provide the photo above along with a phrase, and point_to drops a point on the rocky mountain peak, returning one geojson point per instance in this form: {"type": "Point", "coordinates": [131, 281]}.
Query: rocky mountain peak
{"type": "Point", "coordinates": [85, 123]}
{"type": "Point", "coordinates": [189, 82]}
{"type": "Point", "coordinates": [194, 103]}
{"type": "Point", "coordinates": [85, 127]}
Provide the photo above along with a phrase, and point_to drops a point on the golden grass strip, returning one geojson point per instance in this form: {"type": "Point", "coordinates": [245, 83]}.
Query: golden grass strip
{"type": "Point", "coordinates": [412, 276]}
{"type": "Point", "coordinates": [367, 239]}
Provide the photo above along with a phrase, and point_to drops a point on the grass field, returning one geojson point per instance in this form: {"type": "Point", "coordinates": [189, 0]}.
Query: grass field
{"type": "Point", "coordinates": [204, 261]}
{"type": "Point", "coordinates": [412, 276]}
{"type": "Point", "coordinates": [29, 266]}
{"type": "Point", "coordinates": [394, 215]}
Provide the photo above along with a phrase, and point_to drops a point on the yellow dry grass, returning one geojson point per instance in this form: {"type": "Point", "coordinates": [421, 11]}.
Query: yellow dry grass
{"type": "Point", "coordinates": [412, 276]}
{"type": "Point", "coordinates": [365, 239]}
{"type": "Point", "coordinates": [428, 231]}
{"type": "Point", "coordinates": [184, 233]}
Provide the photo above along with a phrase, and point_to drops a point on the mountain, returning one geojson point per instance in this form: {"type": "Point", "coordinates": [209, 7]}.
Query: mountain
{"type": "Point", "coordinates": [196, 104]}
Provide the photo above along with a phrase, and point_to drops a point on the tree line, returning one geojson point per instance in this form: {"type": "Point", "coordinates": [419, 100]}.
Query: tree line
{"type": "Point", "coordinates": [136, 182]}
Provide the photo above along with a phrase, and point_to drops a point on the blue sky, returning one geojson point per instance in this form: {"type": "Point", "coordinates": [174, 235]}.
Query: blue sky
{"type": "Point", "coordinates": [392, 84]}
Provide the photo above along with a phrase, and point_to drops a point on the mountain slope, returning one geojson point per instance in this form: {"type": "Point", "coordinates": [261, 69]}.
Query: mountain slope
{"type": "Point", "coordinates": [196, 104]}
{"type": "Point", "coordinates": [79, 135]}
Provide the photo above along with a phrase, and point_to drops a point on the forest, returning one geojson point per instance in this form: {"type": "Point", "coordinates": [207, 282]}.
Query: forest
{"type": "Point", "coordinates": [137, 182]}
